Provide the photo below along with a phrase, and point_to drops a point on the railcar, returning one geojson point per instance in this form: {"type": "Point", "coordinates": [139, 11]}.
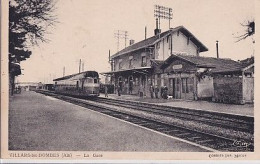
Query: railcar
{"type": "Point", "coordinates": [49, 87]}
{"type": "Point", "coordinates": [84, 84]}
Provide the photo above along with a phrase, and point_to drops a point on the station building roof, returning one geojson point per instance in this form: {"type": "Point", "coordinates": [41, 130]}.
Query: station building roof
{"type": "Point", "coordinates": [154, 39]}
{"type": "Point", "coordinates": [218, 65]}
{"type": "Point", "coordinates": [248, 61]}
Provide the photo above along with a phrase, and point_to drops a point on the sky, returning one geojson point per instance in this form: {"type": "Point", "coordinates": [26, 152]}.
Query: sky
{"type": "Point", "coordinates": [86, 31]}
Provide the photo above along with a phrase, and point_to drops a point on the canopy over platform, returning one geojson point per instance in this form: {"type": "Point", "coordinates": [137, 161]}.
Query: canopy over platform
{"type": "Point", "coordinates": [141, 70]}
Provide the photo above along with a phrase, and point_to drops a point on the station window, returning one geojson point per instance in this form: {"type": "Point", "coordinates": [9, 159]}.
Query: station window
{"type": "Point", "coordinates": [188, 40]}
{"type": "Point", "coordinates": [144, 62]}
{"type": "Point", "coordinates": [184, 85]}
{"type": "Point", "coordinates": [120, 64]}
{"type": "Point", "coordinates": [187, 85]}
{"type": "Point", "coordinates": [171, 83]}
{"type": "Point", "coordinates": [130, 63]}
{"type": "Point", "coordinates": [177, 84]}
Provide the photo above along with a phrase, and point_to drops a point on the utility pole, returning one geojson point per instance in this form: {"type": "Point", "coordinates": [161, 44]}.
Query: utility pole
{"type": "Point", "coordinates": [110, 61]}
{"type": "Point", "coordinates": [63, 71]}
{"type": "Point", "coordinates": [121, 34]}
{"type": "Point", "coordinates": [109, 56]}
{"type": "Point", "coordinates": [164, 13]}
{"type": "Point", "coordinates": [82, 66]}
{"type": "Point", "coordinates": [125, 38]}
{"type": "Point", "coordinates": [116, 35]}
{"type": "Point", "coordinates": [79, 65]}
{"type": "Point", "coordinates": [145, 32]}
{"type": "Point", "coordinates": [170, 17]}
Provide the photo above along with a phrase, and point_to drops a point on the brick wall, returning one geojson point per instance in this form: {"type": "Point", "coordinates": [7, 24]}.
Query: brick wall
{"type": "Point", "coordinates": [228, 90]}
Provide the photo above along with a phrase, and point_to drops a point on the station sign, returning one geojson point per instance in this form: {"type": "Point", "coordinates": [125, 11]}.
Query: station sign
{"type": "Point", "coordinates": [179, 66]}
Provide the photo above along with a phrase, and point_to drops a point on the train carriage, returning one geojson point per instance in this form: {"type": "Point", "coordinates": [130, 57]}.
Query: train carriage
{"type": "Point", "coordinates": [84, 84]}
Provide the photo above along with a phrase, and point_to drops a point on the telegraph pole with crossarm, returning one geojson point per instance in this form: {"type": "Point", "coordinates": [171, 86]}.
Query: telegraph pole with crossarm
{"type": "Point", "coordinates": [162, 12]}
{"type": "Point", "coordinates": [121, 35]}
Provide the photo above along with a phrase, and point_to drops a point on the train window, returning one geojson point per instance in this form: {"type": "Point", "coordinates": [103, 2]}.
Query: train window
{"type": "Point", "coordinates": [89, 80]}
{"type": "Point", "coordinates": [95, 81]}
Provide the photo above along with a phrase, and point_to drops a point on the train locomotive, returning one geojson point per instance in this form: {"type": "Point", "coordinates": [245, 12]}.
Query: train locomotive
{"type": "Point", "coordinates": [84, 84]}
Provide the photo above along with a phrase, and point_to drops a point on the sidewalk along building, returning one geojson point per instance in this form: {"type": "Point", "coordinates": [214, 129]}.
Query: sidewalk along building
{"type": "Point", "coordinates": [133, 69]}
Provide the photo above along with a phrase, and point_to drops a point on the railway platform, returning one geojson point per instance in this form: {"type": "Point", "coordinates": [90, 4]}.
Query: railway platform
{"type": "Point", "coordinates": [245, 110]}
{"type": "Point", "coordinates": [43, 123]}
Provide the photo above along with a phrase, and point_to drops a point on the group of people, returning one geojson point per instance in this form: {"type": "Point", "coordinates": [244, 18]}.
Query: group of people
{"type": "Point", "coordinates": [119, 88]}
{"type": "Point", "coordinates": [154, 91]}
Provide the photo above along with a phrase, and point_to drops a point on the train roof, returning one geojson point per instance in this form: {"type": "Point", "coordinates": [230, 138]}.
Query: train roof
{"type": "Point", "coordinates": [79, 75]}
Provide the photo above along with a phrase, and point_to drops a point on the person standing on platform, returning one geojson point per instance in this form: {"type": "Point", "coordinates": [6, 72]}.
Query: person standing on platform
{"type": "Point", "coordinates": [165, 92]}
{"type": "Point", "coordinates": [130, 87]}
{"type": "Point", "coordinates": [156, 91]}
{"type": "Point", "coordinates": [141, 90]}
{"type": "Point", "coordinates": [106, 94]}
{"type": "Point", "coordinates": [151, 90]}
{"type": "Point", "coordinates": [119, 91]}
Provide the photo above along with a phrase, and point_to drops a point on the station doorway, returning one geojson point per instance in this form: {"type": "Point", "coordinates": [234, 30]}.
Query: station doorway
{"type": "Point", "coordinates": [181, 88]}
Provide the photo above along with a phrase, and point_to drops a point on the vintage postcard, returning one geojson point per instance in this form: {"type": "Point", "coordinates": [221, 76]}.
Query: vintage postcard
{"type": "Point", "coordinates": [129, 80]}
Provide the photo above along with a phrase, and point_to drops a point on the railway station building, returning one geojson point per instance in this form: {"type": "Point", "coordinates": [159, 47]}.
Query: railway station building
{"type": "Point", "coordinates": [170, 59]}
{"type": "Point", "coordinates": [136, 68]}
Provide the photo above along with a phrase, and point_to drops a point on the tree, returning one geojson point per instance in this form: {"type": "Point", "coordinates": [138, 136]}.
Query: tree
{"type": "Point", "coordinates": [28, 24]}
{"type": "Point", "coordinates": [249, 31]}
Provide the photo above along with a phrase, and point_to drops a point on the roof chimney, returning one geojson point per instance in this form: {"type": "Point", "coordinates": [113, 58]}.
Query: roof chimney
{"type": "Point", "coordinates": [217, 48]}
{"type": "Point", "coordinates": [109, 57]}
{"type": "Point", "coordinates": [131, 41]}
{"type": "Point", "coordinates": [157, 31]}
{"type": "Point", "coordinates": [145, 32]}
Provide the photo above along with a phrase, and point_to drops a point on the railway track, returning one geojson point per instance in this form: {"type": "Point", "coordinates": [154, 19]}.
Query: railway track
{"type": "Point", "coordinates": [214, 142]}
{"type": "Point", "coordinates": [234, 122]}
